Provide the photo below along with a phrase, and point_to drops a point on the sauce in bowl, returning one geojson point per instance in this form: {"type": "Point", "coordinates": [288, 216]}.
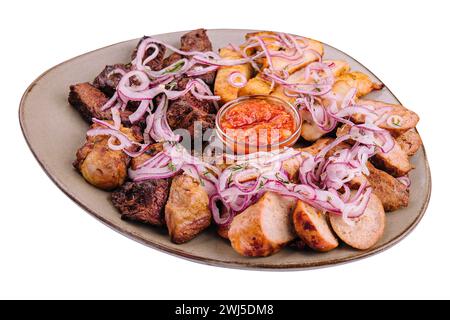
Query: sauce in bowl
{"type": "Point", "coordinates": [258, 123]}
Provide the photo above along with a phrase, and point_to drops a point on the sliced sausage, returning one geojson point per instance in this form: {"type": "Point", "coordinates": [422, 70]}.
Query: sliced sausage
{"type": "Point", "coordinates": [263, 228]}
{"type": "Point", "coordinates": [312, 227]}
{"type": "Point", "coordinates": [365, 231]}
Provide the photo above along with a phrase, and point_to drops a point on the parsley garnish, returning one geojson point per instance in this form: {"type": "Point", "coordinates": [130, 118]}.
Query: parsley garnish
{"type": "Point", "coordinates": [171, 166]}
{"type": "Point", "coordinates": [175, 68]}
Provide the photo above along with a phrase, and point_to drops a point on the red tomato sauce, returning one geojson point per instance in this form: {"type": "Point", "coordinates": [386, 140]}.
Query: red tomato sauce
{"type": "Point", "coordinates": [257, 121]}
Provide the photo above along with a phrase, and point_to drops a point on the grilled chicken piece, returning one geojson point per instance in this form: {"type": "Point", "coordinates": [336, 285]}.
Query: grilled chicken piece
{"type": "Point", "coordinates": [409, 119]}
{"type": "Point", "coordinates": [338, 67]}
{"type": "Point", "coordinates": [263, 228]}
{"type": "Point", "coordinates": [394, 162]}
{"type": "Point", "coordinates": [313, 52]}
{"type": "Point", "coordinates": [142, 201]}
{"type": "Point", "coordinates": [354, 80]}
{"type": "Point", "coordinates": [107, 81]}
{"type": "Point", "coordinates": [187, 212]}
{"type": "Point", "coordinates": [365, 231]}
{"type": "Point", "coordinates": [222, 87]}
{"type": "Point", "coordinates": [410, 142]}
{"type": "Point", "coordinates": [343, 84]}
{"type": "Point", "coordinates": [150, 151]}
{"type": "Point", "coordinates": [312, 227]}
{"type": "Point", "coordinates": [100, 166]}
{"type": "Point", "coordinates": [88, 100]}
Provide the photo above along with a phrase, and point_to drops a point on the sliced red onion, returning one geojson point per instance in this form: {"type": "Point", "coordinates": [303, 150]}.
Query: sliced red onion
{"type": "Point", "coordinates": [237, 79]}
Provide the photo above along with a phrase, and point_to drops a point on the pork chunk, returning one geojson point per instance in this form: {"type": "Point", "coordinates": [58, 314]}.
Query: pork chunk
{"type": "Point", "coordinates": [187, 210]}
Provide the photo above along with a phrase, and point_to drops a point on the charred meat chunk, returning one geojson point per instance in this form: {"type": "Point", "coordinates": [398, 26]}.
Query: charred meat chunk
{"type": "Point", "coordinates": [155, 64]}
{"type": "Point", "coordinates": [88, 100]}
{"type": "Point", "coordinates": [142, 201]}
{"type": "Point", "coordinates": [196, 40]}
{"type": "Point", "coordinates": [107, 81]}
{"type": "Point", "coordinates": [182, 115]}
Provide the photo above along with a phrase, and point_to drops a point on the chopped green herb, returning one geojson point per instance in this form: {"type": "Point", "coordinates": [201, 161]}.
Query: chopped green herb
{"type": "Point", "coordinates": [281, 179]}
{"type": "Point", "coordinates": [175, 68]}
{"type": "Point", "coordinates": [171, 166]}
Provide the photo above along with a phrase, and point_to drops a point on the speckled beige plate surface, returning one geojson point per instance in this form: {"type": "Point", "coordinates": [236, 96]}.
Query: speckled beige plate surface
{"type": "Point", "coordinates": [54, 131]}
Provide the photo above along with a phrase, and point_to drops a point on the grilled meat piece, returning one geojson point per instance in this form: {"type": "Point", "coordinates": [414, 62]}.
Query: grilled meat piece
{"type": "Point", "coordinates": [395, 162]}
{"type": "Point", "coordinates": [392, 193]}
{"type": "Point", "coordinates": [88, 100]}
{"type": "Point", "coordinates": [142, 201]}
{"type": "Point", "coordinates": [410, 142]}
{"type": "Point", "coordinates": [263, 228]}
{"type": "Point", "coordinates": [185, 111]}
{"type": "Point", "coordinates": [187, 212]}
{"type": "Point", "coordinates": [107, 81]}
{"type": "Point", "coordinates": [157, 63]}
{"type": "Point", "coordinates": [409, 119]}
{"type": "Point", "coordinates": [183, 116]}
{"type": "Point", "coordinates": [366, 230]}
{"type": "Point", "coordinates": [196, 40]}
{"type": "Point", "coordinates": [312, 227]}
{"type": "Point", "coordinates": [100, 166]}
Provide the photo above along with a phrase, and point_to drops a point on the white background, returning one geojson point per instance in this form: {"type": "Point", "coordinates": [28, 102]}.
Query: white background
{"type": "Point", "coordinates": [51, 248]}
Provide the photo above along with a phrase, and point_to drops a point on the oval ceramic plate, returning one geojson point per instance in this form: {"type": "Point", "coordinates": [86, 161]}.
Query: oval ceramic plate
{"type": "Point", "coordinates": [54, 131]}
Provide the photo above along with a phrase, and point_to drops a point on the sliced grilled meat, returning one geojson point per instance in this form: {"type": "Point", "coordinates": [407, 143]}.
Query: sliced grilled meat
{"type": "Point", "coordinates": [263, 228]}
{"type": "Point", "coordinates": [88, 100]}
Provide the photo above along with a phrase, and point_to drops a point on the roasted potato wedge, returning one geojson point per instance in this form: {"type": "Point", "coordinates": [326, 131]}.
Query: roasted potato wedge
{"type": "Point", "coordinates": [222, 87]}
{"type": "Point", "coordinates": [256, 86]}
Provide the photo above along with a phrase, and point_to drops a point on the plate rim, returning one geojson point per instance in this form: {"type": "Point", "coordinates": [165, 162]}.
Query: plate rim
{"type": "Point", "coordinates": [251, 264]}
